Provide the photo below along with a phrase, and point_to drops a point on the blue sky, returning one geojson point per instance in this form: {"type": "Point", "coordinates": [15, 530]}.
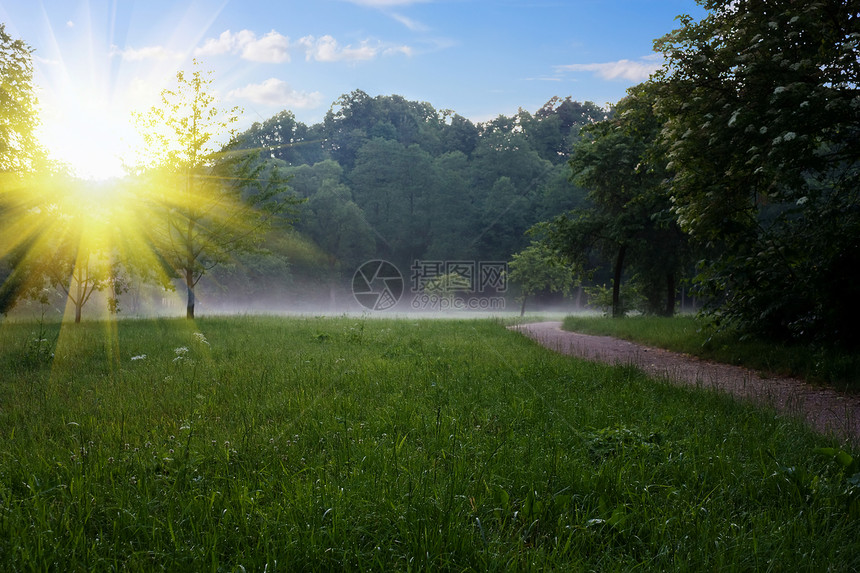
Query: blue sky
{"type": "Point", "coordinates": [96, 61]}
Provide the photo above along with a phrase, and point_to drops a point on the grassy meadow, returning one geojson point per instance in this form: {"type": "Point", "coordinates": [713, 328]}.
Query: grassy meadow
{"type": "Point", "coordinates": [313, 444]}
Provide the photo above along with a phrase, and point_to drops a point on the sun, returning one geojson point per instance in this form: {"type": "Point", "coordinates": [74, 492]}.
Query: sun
{"type": "Point", "coordinates": [88, 142]}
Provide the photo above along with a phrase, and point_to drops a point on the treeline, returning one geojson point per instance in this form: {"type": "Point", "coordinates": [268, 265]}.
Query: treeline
{"type": "Point", "coordinates": [387, 178]}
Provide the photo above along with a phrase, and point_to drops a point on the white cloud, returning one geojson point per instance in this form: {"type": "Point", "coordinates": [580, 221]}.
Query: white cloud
{"type": "Point", "coordinates": [159, 53]}
{"type": "Point", "coordinates": [273, 48]}
{"type": "Point", "coordinates": [275, 92]}
{"type": "Point", "coordinates": [413, 25]}
{"type": "Point", "coordinates": [327, 49]}
{"type": "Point", "coordinates": [223, 44]}
{"type": "Point", "coordinates": [70, 24]}
{"type": "Point", "coordinates": [395, 50]}
{"type": "Point", "coordinates": [635, 71]}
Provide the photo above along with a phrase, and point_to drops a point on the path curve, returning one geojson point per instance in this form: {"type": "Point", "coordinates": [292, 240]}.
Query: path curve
{"type": "Point", "coordinates": [825, 409]}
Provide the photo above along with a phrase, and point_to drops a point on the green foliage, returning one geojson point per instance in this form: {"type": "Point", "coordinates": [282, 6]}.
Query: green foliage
{"type": "Point", "coordinates": [603, 298]}
{"type": "Point", "coordinates": [538, 268]}
{"type": "Point", "coordinates": [19, 154]}
{"type": "Point", "coordinates": [762, 117]}
{"type": "Point", "coordinates": [19, 150]}
{"type": "Point", "coordinates": [627, 220]}
{"type": "Point", "coordinates": [448, 285]}
{"type": "Point", "coordinates": [206, 199]}
{"type": "Point", "coordinates": [405, 168]}
{"type": "Point", "coordinates": [320, 444]}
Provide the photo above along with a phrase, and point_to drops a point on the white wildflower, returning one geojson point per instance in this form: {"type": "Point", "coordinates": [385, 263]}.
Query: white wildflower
{"type": "Point", "coordinates": [200, 338]}
{"type": "Point", "coordinates": [139, 357]}
{"type": "Point", "coordinates": [180, 353]}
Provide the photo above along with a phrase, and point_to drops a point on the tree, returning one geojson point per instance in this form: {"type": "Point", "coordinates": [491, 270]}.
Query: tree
{"type": "Point", "coordinates": [537, 268]}
{"type": "Point", "coordinates": [393, 185]}
{"type": "Point", "coordinates": [628, 215]}
{"type": "Point", "coordinates": [71, 242]}
{"type": "Point", "coordinates": [335, 223]}
{"type": "Point", "coordinates": [19, 149]}
{"type": "Point", "coordinates": [763, 136]}
{"type": "Point", "coordinates": [206, 201]}
{"type": "Point", "coordinates": [282, 137]}
{"type": "Point", "coordinates": [19, 155]}
{"type": "Point", "coordinates": [555, 127]}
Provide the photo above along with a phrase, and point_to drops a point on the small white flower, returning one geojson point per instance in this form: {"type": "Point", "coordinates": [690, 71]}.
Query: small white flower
{"type": "Point", "coordinates": [139, 357]}
{"type": "Point", "coordinates": [200, 338]}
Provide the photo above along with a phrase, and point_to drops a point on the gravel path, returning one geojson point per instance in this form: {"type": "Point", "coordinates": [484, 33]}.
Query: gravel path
{"type": "Point", "coordinates": [826, 410]}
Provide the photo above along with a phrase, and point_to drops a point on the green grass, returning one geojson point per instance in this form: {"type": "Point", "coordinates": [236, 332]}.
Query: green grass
{"type": "Point", "coordinates": [688, 334]}
{"type": "Point", "coordinates": [318, 444]}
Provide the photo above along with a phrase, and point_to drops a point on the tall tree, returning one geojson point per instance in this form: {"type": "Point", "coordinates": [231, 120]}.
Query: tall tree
{"type": "Point", "coordinates": [336, 225]}
{"type": "Point", "coordinates": [207, 200]}
{"type": "Point", "coordinates": [19, 155]}
{"type": "Point", "coordinates": [763, 134]}
{"type": "Point", "coordinates": [282, 137]}
{"type": "Point", "coordinates": [619, 162]}
{"type": "Point", "coordinates": [19, 148]}
{"type": "Point", "coordinates": [393, 185]}
{"type": "Point", "coordinates": [77, 255]}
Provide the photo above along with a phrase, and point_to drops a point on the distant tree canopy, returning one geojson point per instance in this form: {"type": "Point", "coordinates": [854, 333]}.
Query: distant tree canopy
{"type": "Point", "coordinates": [400, 180]}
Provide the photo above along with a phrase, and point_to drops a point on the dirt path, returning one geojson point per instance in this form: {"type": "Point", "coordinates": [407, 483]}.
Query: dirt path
{"type": "Point", "coordinates": [826, 410]}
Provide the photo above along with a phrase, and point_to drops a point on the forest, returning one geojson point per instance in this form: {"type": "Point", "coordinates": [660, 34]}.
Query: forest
{"type": "Point", "coordinates": [387, 178]}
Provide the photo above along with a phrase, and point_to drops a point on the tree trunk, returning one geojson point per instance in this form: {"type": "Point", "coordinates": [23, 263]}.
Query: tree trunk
{"type": "Point", "coordinates": [79, 301]}
{"type": "Point", "coordinates": [523, 307]}
{"type": "Point", "coordinates": [332, 298]}
{"type": "Point", "coordinates": [670, 296]}
{"type": "Point", "coordinates": [616, 285]}
{"type": "Point", "coordinates": [189, 286]}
